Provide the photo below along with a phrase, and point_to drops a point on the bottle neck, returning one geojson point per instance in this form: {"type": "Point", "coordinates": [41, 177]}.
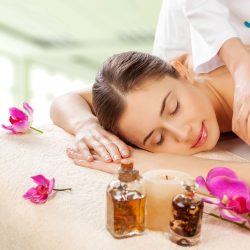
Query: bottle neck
{"type": "Point", "coordinates": [189, 193]}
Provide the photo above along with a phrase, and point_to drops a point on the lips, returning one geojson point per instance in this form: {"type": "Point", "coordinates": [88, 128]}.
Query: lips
{"type": "Point", "coordinates": [202, 137]}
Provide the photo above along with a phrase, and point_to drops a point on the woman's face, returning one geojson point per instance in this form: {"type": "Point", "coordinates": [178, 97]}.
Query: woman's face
{"type": "Point", "coordinates": [169, 115]}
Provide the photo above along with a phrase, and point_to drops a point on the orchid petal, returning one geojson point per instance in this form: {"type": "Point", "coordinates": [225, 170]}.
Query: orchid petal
{"type": "Point", "coordinates": [222, 185]}
{"type": "Point", "coordinates": [220, 171]}
{"type": "Point", "coordinates": [241, 205]}
{"type": "Point", "coordinates": [202, 183]}
{"type": "Point", "coordinates": [229, 215]}
{"type": "Point", "coordinates": [28, 108]}
{"type": "Point", "coordinates": [21, 126]}
{"type": "Point", "coordinates": [234, 204]}
{"type": "Point", "coordinates": [17, 113]}
{"type": "Point", "coordinates": [30, 193]}
{"type": "Point", "coordinates": [9, 128]}
{"type": "Point", "coordinates": [51, 185]}
{"type": "Point", "coordinates": [231, 207]}
{"type": "Point", "coordinates": [40, 180]}
{"type": "Point", "coordinates": [39, 199]}
{"type": "Point", "coordinates": [248, 203]}
{"type": "Point", "coordinates": [211, 200]}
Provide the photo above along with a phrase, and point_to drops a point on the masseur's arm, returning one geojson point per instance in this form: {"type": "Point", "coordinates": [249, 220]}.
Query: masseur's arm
{"type": "Point", "coordinates": [145, 161]}
{"type": "Point", "coordinates": [74, 113]}
{"type": "Point", "coordinates": [237, 58]}
{"type": "Point", "coordinates": [215, 41]}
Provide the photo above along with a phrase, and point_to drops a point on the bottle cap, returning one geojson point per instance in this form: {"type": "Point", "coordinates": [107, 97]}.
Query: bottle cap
{"type": "Point", "coordinates": [127, 164]}
{"type": "Point", "coordinates": [189, 185]}
{"type": "Point", "coordinates": [127, 172]}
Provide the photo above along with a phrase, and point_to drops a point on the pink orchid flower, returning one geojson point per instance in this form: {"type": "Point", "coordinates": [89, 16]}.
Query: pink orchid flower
{"type": "Point", "coordinates": [232, 194]}
{"type": "Point", "coordinates": [41, 192]}
{"type": "Point", "coordinates": [20, 121]}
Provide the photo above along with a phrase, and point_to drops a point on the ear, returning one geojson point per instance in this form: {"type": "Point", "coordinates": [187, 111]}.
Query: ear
{"type": "Point", "coordinates": [182, 70]}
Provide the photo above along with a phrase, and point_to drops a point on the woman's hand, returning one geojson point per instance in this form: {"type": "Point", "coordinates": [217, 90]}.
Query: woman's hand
{"type": "Point", "coordinates": [142, 159]}
{"type": "Point", "coordinates": [91, 137]}
{"type": "Point", "coordinates": [97, 163]}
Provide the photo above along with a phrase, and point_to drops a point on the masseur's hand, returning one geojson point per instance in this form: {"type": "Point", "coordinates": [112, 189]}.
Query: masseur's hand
{"type": "Point", "coordinates": [237, 59]}
{"type": "Point", "coordinates": [91, 137]}
{"type": "Point", "coordinates": [241, 107]}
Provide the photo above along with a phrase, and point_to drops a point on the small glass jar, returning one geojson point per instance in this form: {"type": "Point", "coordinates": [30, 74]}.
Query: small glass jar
{"type": "Point", "coordinates": [126, 203]}
{"type": "Point", "coordinates": [187, 210]}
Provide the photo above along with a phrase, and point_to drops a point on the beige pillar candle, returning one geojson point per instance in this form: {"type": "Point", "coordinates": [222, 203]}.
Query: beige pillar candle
{"type": "Point", "coordinates": [161, 186]}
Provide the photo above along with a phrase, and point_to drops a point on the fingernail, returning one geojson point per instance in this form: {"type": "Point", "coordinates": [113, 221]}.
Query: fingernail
{"type": "Point", "coordinates": [107, 157]}
{"type": "Point", "coordinates": [125, 153]}
{"type": "Point", "coordinates": [89, 158]}
{"type": "Point", "coordinates": [116, 157]}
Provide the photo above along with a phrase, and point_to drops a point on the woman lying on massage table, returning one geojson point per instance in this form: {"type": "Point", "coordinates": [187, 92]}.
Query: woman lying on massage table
{"type": "Point", "coordinates": [149, 104]}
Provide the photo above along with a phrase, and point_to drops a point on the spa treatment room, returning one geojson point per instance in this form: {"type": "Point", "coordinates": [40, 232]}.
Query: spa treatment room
{"type": "Point", "coordinates": [124, 125]}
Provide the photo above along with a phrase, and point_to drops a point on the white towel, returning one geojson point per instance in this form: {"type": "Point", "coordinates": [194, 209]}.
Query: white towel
{"type": "Point", "coordinates": [76, 220]}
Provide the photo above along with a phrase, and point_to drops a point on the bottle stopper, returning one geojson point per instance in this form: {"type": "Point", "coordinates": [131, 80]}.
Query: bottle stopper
{"type": "Point", "coordinates": [127, 164]}
{"type": "Point", "coordinates": [189, 185]}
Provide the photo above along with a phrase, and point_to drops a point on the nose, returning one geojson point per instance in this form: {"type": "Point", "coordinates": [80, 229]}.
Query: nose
{"type": "Point", "coordinates": [181, 132]}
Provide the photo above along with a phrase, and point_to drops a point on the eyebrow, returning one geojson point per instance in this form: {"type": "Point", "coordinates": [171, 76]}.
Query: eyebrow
{"type": "Point", "coordinates": [161, 112]}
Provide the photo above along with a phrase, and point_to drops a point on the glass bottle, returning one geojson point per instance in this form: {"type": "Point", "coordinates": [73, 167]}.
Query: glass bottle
{"type": "Point", "coordinates": [126, 203]}
{"type": "Point", "coordinates": [187, 209]}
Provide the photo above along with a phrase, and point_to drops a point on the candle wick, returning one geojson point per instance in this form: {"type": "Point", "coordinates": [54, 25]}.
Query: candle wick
{"type": "Point", "coordinates": [166, 177]}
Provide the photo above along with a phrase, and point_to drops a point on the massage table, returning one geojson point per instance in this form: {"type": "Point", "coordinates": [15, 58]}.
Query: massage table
{"type": "Point", "coordinates": [73, 220]}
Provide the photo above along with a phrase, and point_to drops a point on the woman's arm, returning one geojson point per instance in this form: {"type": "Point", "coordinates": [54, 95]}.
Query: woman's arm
{"type": "Point", "coordinates": [145, 161]}
{"type": "Point", "coordinates": [71, 110]}
{"type": "Point", "coordinates": [74, 113]}
{"type": "Point", "coordinates": [193, 165]}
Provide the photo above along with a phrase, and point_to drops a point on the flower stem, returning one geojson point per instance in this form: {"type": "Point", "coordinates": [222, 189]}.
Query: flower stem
{"type": "Point", "coordinates": [62, 189]}
{"type": "Point", "coordinates": [38, 130]}
{"type": "Point", "coordinates": [233, 222]}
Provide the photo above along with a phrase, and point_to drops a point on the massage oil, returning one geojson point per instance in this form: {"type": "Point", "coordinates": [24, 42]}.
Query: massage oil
{"type": "Point", "coordinates": [126, 203]}
{"type": "Point", "coordinates": [187, 210]}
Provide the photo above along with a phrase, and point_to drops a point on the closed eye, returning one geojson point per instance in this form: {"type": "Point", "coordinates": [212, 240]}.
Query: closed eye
{"type": "Point", "coordinates": [161, 140]}
{"type": "Point", "coordinates": [176, 108]}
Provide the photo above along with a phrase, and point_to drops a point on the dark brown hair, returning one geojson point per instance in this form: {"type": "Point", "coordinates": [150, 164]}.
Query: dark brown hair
{"type": "Point", "coordinates": [120, 74]}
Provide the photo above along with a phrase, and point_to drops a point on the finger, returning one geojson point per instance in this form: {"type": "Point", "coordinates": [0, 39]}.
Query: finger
{"type": "Point", "coordinates": [74, 154]}
{"type": "Point", "coordinates": [83, 148]}
{"type": "Point", "coordinates": [122, 147]}
{"type": "Point", "coordinates": [100, 149]}
{"type": "Point", "coordinates": [112, 149]}
{"type": "Point", "coordinates": [111, 168]}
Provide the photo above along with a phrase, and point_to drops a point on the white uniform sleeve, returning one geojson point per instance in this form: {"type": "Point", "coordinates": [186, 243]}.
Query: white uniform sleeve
{"type": "Point", "coordinates": [172, 35]}
{"type": "Point", "coordinates": [210, 27]}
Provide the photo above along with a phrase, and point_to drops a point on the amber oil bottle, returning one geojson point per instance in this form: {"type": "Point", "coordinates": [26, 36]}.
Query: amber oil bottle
{"type": "Point", "coordinates": [126, 203]}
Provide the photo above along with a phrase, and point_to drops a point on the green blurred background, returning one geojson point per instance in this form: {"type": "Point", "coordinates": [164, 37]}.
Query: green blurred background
{"type": "Point", "coordinates": [48, 48]}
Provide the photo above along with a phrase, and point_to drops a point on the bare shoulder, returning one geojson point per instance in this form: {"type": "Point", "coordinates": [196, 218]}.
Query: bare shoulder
{"type": "Point", "coordinates": [86, 94]}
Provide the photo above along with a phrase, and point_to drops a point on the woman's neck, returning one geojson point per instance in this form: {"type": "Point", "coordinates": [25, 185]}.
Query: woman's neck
{"type": "Point", "coordinates": [218, 86]}
{"type": "Point", "coordinates": [222, 110]}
